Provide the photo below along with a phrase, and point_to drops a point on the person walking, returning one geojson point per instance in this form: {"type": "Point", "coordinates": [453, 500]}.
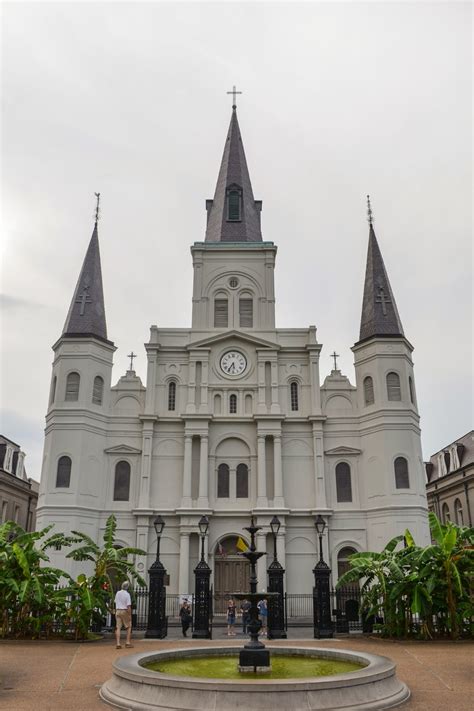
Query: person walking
{"type": "Point", "coordinates": [245, 612]}
{"type": "Point", "coordinates": [263, 611]}
{"type": "Point", "coordinates": [231, 617]}
{"type": "Point", "coordinates": [186, 616]}
{"type": "Point", "coordinates": [123, 615]}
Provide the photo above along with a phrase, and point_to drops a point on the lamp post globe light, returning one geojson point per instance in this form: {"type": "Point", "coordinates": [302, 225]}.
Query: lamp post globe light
{"type": "Point", "coordinates": [322, 622]}
{"type": "Point", "coordinates": [202, 596]}
{"type": "Point", "coordinates": [276, 603]}
{"type": "Point", "coordinates": [157, 623]}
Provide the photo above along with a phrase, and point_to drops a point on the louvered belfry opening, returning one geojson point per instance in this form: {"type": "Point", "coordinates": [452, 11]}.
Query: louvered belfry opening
{"type": "Point", "coordinates": [221, 313]}
{"type": "Point", "coordinates": [246, 312]}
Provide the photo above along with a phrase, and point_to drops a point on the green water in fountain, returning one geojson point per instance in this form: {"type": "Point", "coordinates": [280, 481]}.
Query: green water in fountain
{"type": "Point", "coordinates": [226, 667]}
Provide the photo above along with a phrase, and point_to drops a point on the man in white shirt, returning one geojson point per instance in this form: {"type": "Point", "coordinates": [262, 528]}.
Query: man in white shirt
{"type": "Point", "coordinates": [123, 614]}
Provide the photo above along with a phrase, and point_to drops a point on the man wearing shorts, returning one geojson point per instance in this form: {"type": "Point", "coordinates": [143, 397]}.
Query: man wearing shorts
{"type": "Point", "coordinates": [123, 614]}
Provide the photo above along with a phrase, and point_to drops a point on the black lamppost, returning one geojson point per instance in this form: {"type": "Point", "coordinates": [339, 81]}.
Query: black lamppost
{"type": "Point", "coordinates": [276, 604]}
{"type": "Point", "coordinates": [202, 597]}
{"type": "Point", "coordinates": [321, 594]}
{"type": "Point", "coordinates": [157, 624]}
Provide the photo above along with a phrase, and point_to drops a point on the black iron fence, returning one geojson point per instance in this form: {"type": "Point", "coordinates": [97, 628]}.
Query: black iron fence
{"type": "Point", "coordinates": [345, 609]}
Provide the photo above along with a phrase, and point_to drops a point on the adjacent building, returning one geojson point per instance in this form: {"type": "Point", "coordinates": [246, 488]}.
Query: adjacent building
{"type": "Point", "coordinates": [234, 416]}
{"type": "Point", "coordinates": [18, 493]}
{"type": "Point", "coordinates": [450, 476]}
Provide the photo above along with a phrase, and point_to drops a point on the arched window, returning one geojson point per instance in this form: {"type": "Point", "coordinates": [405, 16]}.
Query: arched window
{"type": "Point", "coordinates": [98, 390]}
{"type": "Point", "coordinates": [233, 206]}
{"type": "Point", "coordinates": [72, 386]}
{"type": "Point", "coordinates": [343, 483]}
{"type": "Point", "coordinates": [458, 517]}
{"type": "Point", "coordinates": [393, 387]}
{"type": "Point", "coordinates": [223, 481]}
{"type": "Point", "coordinates": [63, 473]}
{"type": "Point", "coordinates": [446, 516]}
{"type": "Point", "coordinates": [122, 481]}
{"type": "Point", "coordinates": [172, 395]}
{"type": "Point", "coordinates": [233, 404]}
{"type": "Point", "coordinates": [294, 396]}
{"type": "Point", "coordinates": [246, 312]}
{"type": "Point", "coordinates": [402, 480]}
{"type": "Point", "coordinates": [53, 390]}
{"type": "Point", "coordinates": [221, 312]}
{"type": "Point", "coordinates": [242, 481]}
{"type": "Point", "coordinates": [343, 562]}
{"type": "Point", "coordinates": [369, 391]}
{"type": "Point", "coordinates": [412, 390]}
{"type": "Point", "coordinates": [248, 404]}
{"type": "Point", "coordinates": [217, 404]}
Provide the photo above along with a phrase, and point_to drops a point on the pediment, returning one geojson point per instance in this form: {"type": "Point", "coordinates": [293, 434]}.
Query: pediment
{"type": "Point", "coordinates": [342, 451]}
{"type": "Point", "coordinates": [122, 449]}
{"type": "Point", "coordinates": [239, 335]}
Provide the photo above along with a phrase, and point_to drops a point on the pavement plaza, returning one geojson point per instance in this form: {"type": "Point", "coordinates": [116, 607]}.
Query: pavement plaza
{"type": "Point", "coordinates": [43, 675]}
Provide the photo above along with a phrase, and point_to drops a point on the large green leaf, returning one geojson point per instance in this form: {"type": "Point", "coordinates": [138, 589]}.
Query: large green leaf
{"type": "Point", "coordinates": [22, 559]}
{"type": "Point", "coordinates": [436, 528]}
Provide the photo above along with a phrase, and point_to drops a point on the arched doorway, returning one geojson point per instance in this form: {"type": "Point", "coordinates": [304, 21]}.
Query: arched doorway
{"type": "Point", "coordinates": [231, 569]}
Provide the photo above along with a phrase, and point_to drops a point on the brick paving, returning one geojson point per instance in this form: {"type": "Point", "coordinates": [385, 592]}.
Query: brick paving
{"type": "Point", "coordinates": [44, 675]}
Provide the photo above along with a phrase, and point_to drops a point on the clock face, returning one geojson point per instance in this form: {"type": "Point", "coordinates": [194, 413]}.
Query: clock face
{"type": "Point", "coordinates": [233, 363]}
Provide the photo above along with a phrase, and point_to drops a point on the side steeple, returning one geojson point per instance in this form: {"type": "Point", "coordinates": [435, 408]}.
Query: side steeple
{"type": "Point", "coordinates": [86, 316]}
{"type": "Point", "coordinates": [233, 215]}
{"type": "Point", "coordinates": [379, 310]}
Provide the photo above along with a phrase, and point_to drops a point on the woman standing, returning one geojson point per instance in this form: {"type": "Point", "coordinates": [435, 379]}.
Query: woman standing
{"type": "Point", "coordinates": [186, 616]}
{"type": "Point", "coordinates": [263, 611]}
{"type": "Point", "coordinates": [230, 618]}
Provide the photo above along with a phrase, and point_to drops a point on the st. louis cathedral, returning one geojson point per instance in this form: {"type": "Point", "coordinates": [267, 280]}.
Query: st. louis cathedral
{"type": "Point", "coordinates": [234, 418]}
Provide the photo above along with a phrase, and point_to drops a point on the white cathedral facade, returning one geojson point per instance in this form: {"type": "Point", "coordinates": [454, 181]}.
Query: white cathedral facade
{"type": "Point", "coordinates": [234, 418]}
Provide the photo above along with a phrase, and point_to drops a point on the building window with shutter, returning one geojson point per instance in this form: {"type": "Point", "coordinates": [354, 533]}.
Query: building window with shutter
{"type": "Point", "coordinates": [233, 404]}
{"type": "Point", "coordinates": [63, 473]}
{"type": "Point", "coordinates": [242, 481]}
{"type": "Point", "coordinates": [122, 481]}
{"type": "Point", "coordinates": [402, 480]}
{"type": "Point", "coordinates": [246, 312]}
{"type": "Point", "coordinates": [458, 517]}
{"type": "Point", "coordinates": [98, 390]}
{"type": "Point", "coordinates": [294, 396]}
{"type": "Point", "coordinates": [394, 392]}
{"type": "Point", "coordinates": [172, 396]}
{"type": "Point", "coordinates": [446, 516]}
{"type": "Point", "coordinates": [412, 390]}
{"type": "Point", "coordinates": [233, 206]}
{"type": "Point", "coordinates": [72, 387]}
{"type": "Point", "coordinates": [369, 391]}
{"type": "Point", "coordinates": [343, 483]}
{"type": "Point", "coordinates": [53, 390]}
{"type": "Point", "coordinates": [221, 313]}
{"type": "Point", "coordinates": [223, 481]}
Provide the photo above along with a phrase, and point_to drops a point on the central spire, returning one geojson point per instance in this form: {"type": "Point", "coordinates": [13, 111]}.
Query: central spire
{"type": "Point", "coordinates": [233, 215]}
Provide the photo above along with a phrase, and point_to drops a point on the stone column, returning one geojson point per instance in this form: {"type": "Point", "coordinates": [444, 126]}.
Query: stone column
{"type": "Point", "coordinates": [183, 583]}
{"type": "Point", "coordinates": [320, 482]}
{"type": "Point", "coordinates": [147, 439]}
{"type": "Point", "coordinates": [188, 444]}
{"type": "Point", "coordinates": [204, 473]}
{"type": "Point", "coordinates": [262, 473]}
{"type": "Point", "coordinates": [262, 563]}
{"type": "Point", "coordinates": [278, 500]}
{"type": "Point", "coordinates": [281, 547]}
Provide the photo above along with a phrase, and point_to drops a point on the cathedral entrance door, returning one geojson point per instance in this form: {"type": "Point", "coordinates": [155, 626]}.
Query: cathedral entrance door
{"type": "Point", "coordinates": [231, 571]}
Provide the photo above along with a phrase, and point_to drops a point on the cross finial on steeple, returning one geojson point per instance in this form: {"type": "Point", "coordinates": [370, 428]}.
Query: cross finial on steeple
{"type": "Point", "coordinates": [370, 215]}
{"type": "Point", "coordinates": [335, 356]}
{"type": "Point", "coordinates": [234, 93]}
{"type": "Point", "coordinates": [97, 211]}
{"type": "Point", "coordinates": [131, 355]}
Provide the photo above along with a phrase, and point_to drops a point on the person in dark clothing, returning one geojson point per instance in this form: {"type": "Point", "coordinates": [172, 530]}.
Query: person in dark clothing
{"type": "Point", "coordinates": [245, 612]}
{"type": "Point", "coordinates": [186, 616]}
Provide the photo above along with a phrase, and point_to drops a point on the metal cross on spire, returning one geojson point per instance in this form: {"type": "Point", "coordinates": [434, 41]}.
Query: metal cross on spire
{"type": "Point", "coordinates": [335, 356]}
{"type": "Point", "coordinates": [83, 299]}
{"type": "Point", "coordinates": [370, 215]}
{"type": "Point", "coordinates": [234, 93]}
{"type": "Point", "coordinates": [131, 355]}
{"type": "Point", "coordinates": [97, 210]}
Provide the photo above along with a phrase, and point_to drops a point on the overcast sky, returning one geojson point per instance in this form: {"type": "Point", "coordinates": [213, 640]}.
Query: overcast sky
{"type": "Point", "coordinates": [339, 100]}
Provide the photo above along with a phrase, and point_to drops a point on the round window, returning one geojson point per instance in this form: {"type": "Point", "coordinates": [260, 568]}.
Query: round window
{"type": "Point", "coordinates": [233, 282]}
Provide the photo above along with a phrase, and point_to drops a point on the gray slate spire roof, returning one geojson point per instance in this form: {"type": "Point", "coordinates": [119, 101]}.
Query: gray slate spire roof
{"type": "Point", "coordinates": [86, 316]}
{"type": "Point", "coordinates": [379, 310]}
{"type": "Point", "coordinates": [233, 172]}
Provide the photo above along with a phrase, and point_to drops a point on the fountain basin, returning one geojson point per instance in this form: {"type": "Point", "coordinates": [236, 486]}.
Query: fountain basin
{"type": "Point", "coordinates": [373, 686]}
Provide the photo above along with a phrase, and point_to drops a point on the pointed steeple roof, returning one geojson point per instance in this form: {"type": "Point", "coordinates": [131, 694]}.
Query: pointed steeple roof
{"type": "Point", "coordinates": [233, 174]}
{"type": "Point", "coordinates": [379, 310]}
{"type": "Point", "coordinates": [86, 316]}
